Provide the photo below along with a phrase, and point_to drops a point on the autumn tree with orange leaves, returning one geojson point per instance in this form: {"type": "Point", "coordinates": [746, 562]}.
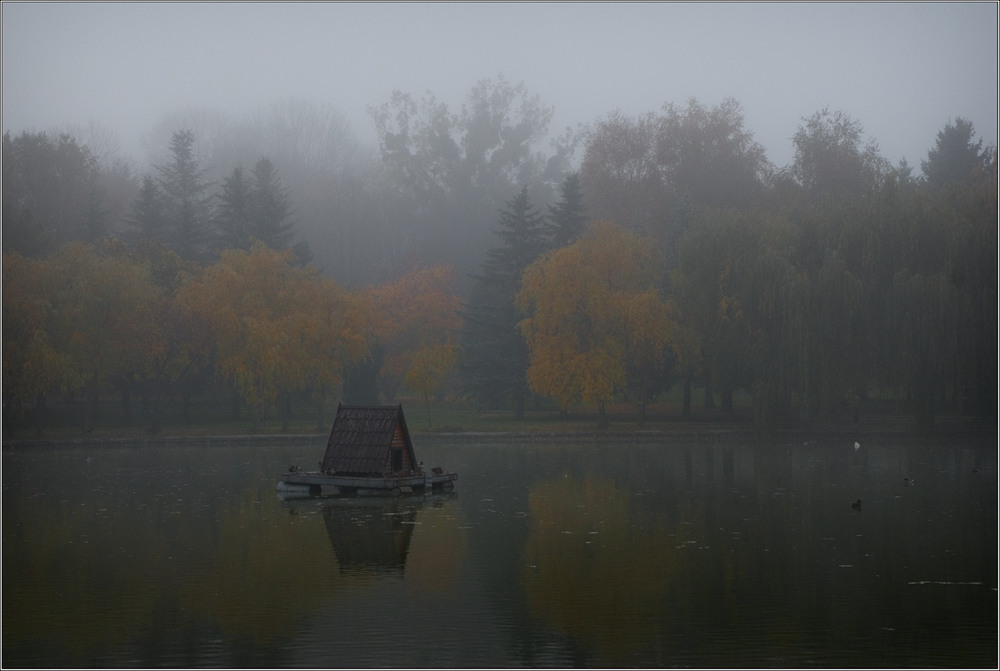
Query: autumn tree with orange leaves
{"type": "Point", "coordinates": [34, 364]}
{"type": "Point", "coordinates": [597, 325]}
{"type": "Point", "coordinates": [80, 320]}
{"type": "Point", "coordinates": [277, 328]}
{"type": "Point", "coordinates": [416, 323]}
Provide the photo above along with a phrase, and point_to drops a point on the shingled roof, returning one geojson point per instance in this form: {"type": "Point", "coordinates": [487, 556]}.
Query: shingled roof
{"type": "Point", "coordinates": [362, 437]}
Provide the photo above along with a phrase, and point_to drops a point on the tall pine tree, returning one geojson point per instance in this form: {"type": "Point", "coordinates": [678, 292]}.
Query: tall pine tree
{"type": "Point", "coordinates": [272, 208]}
{"type": "Point", "coordinates": [956, 157]}
{"type": "Point", "coordinates": [567, 219]}
{"type": "Point", "coordinates": [494, 353]}
{"type": "Point", "coordinates": [522, 231]}
{"type": "Point", "coordinates": [186, 202]}
{"type": "Point", "coordinates": [95, 223]}
{"type": "Point", "coordinates": [234, 211]}
{"type": "Point", "coordinates": [148, 217]}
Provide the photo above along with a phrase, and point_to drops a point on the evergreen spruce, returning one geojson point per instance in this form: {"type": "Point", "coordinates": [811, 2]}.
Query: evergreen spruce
{"type": "Point", "coordinates": [95, 223]}
{"type": "Point", "coordinates": [494, 353]}
{"type": "Point", "coordinates": [567, 218]}
{"type": "Point", "coordinates": [187, 204]}
{"type": "Point", "coordinates": [272, 208]}
{"type": "Point", "coordinates": [956, 157]}
{"type": "Point", "coordinates": [234, 211]}
{"type": "Point", "coordinates": [522, 233]}
{"type": "Point", "coordinates": [148, 217]}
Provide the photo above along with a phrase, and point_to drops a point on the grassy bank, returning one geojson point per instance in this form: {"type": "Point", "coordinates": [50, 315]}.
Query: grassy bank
{"type": "Point", "coordinates": [210, 416]}
{"type": "Point", "coordinates": [444, 417]}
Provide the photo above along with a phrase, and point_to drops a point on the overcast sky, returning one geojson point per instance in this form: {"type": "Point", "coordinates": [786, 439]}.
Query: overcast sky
{"type": "Point", "coordinates": [901, 69]}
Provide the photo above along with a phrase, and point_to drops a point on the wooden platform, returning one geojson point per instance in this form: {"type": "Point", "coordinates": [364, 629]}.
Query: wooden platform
{"type": "Point", "coordinates": [313, 482]}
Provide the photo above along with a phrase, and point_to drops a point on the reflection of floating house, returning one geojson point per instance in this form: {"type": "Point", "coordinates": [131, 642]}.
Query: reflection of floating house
{"type": "Point", "coordinates": [374, 540]}
{"type": "Point", "coordinates": [370, 534]}
{"type": "Point", "coordinates": [369, 450]}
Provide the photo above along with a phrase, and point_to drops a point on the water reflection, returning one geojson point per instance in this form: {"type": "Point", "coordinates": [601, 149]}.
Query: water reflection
{"type": "Point", "coordinates": [370, 536]}
{"type": "Point", "coordinates": [375, 540]}
{"type": "Point", "coordinates": [718, 555]}
{"type": "Point", "coordinates": [594, 570]}
{"type": "Point", "coordinates": [262, 573]}
{"type": "Point", "coordinates": [608, 555]}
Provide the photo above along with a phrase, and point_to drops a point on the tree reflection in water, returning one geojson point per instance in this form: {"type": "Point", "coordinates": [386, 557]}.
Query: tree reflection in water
{"type": "Point", "coordinates": [592, 569]}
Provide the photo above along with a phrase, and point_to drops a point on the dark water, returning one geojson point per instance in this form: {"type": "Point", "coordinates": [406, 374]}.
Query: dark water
{"type": "Point", "coordinates": [599, 555]}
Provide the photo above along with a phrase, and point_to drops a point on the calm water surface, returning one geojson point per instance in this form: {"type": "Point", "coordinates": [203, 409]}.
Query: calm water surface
{"type": "Point", "coordinates": [594, 555]}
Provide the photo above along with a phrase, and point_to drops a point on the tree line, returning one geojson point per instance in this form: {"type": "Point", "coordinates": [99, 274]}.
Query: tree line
{"type": "Point", "coordinates": [675, 254]}
{"type": "Point", "coordinates": [156, 331]}
{"type": "Point", "coordinates": [427, 195]}
{"type": "Point", "coordinates": [808, 288]}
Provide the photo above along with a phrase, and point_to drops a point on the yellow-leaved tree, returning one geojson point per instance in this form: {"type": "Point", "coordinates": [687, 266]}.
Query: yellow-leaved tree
{"type": "Point", "coordinates": [34, 363]}
{"type": "Point", "coordinates": [417, 324]}
{"type": "Point", "coordinates": [278, 328]}
{"type": "Point", "coordinates": [79, 320]}
{"type": "Point", "coordinates": [597, 324]}
{"type": "Point", "coordinates": [340, 322]}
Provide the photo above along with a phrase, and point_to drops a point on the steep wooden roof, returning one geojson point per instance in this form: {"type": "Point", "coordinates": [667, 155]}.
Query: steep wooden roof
{"type": "Point", "coordinates": [361, 438]}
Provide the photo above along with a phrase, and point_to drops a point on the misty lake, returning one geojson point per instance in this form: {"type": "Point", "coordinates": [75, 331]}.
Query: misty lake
{"type": "Point", "coordinates": [589, 554]}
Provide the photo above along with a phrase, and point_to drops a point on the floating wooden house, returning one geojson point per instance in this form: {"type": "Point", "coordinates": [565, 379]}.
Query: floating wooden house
{"type": "Point", "coordinates": [369, 450]}
{"type": "Point", "coordinates": [369, 441]}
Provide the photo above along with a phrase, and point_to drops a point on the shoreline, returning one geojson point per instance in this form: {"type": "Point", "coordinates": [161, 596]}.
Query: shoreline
{"type": "Point", "coordinates": [882, 429]}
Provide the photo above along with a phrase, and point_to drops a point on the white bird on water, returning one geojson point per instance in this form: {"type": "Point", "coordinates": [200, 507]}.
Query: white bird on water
{"type": "Point", "coordinates": [857, 445]}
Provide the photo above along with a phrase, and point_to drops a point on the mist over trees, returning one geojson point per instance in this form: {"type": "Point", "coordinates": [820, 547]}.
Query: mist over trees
{"type": "Point", "coordinates": [447, 173]}
{"type": "Point", "coordinates": [275, 263]}
{"type": "Point", "coordinates": [47, 184]}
